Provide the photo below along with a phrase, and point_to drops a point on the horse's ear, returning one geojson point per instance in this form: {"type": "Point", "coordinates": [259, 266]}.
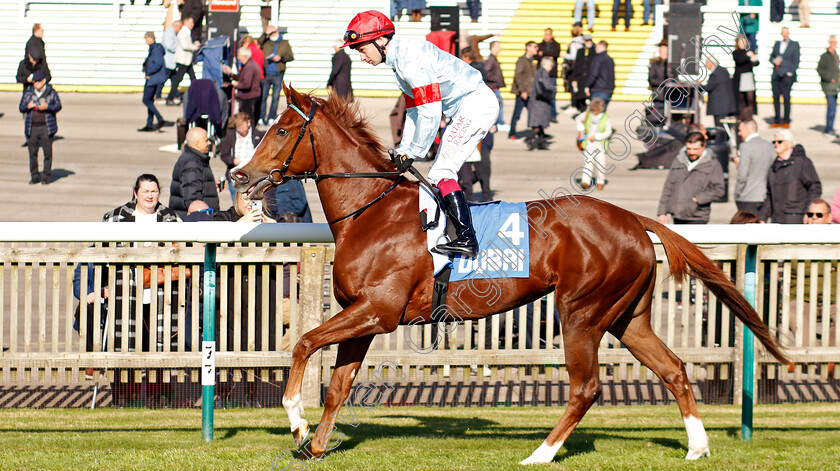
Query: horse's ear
{"type": "Point", "coordinates": [292, 96]}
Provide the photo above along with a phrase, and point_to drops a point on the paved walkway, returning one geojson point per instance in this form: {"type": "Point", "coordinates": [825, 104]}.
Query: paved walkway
{"type": "Point", "coordinates": [101, 154]}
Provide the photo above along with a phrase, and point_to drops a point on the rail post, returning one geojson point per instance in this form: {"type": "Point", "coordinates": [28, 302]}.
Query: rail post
{"type": "Point", "coordinates": [747, 388]}
{"type": "Point", "coordinates": [208, 346]}
{"type": "Point", "coordinates": [312, 260]}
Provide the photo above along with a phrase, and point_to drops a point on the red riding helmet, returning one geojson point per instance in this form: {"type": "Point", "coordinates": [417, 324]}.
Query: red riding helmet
{"type": "Point", "coordinates": [367, 26]}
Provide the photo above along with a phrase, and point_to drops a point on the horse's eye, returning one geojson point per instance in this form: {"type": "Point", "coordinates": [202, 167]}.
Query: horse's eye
{"type": "Point", "coordinates": [282, 132]}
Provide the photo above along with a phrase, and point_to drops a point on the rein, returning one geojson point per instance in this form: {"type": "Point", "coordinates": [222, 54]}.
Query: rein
{"type": "Point", "coordinates": [272, 180]}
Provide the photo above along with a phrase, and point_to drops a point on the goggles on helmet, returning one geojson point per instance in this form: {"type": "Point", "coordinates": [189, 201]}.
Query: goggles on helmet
{"type": "Point", "coordinates": [351, 36]}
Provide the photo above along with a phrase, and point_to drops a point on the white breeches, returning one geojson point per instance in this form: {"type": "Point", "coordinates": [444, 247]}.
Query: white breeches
{"type": "Point", "coordinates": [477, 114]}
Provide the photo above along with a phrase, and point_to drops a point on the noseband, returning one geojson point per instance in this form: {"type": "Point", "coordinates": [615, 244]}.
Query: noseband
{"type": "Point", "coordinates": [278, 176]}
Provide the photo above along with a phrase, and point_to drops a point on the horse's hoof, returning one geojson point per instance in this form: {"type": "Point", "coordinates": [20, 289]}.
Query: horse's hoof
{"type": "Point", "coordinates": [301, 432]}
{"type": "Point", "coordinates": [544, 454]}
{"type": "Point", "coordinates": [697, 453]}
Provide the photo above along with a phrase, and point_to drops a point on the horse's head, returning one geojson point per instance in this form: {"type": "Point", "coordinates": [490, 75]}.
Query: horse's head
{"type": "Point", "coordinates": [286, 149]}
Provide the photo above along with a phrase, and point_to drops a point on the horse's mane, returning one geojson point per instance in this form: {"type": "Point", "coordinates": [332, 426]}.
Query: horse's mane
{"type": "Point", "coordinates": [349, 117]}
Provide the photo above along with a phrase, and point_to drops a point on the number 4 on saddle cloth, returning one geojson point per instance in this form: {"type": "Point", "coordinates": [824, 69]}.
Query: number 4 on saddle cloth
{"type": "Point", "coordinates": [502, 232]}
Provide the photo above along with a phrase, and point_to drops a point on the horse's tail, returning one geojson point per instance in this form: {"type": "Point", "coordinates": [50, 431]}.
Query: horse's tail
{"type": "Point", "coordinates": [683, 255]}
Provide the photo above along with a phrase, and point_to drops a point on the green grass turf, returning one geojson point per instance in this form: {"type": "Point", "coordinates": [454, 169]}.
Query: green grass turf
{"type": "Point", "coordinates": [417, 438]}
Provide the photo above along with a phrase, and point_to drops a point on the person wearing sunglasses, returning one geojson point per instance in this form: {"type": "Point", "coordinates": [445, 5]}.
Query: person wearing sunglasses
{"type": "Point", "coordinates": [819, 212]}
{"type": "Point", "coordinates": [432, 82]}
{"type": "Point", "coordinates": [792, 182]}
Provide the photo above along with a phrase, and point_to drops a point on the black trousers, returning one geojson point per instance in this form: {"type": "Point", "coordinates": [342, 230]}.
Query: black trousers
{"type": "Point", "coordinates": [249, 107]}
{"type": "Point", "coordinates": [476, 172]}
{"type": "Point", "coordinates": [149, 101]}
{"type": "Point", "coordinates": [180, 70]}
{"type": "Point", "coordinates": [39, 138]}
{"type": "Point", "coordinates": [518, 106]}
{"type": "Point", "coordinates": [781, 89]}
{"type": "Point", "coordinates": [750, 206]}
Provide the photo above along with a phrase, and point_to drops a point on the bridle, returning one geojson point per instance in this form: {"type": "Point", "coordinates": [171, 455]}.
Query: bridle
{"type": "Point", "coordinates": [278, 176]}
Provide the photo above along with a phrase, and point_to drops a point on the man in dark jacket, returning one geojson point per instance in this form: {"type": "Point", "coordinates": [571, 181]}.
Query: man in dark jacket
{"type": "Point", "coordinates": [523, 81]}
{"type": "Point", "coordinates": [657, 73]}
{"type": "Point", "coordinates": [192, 178]}
{"type": "Point", "coordinates": [601, 81]}
{"type": "Point", "coordinates": [35, 58]}
{"type": "Point", "coordinates": [156, 73]}
{"type": "Point", "coordinates": [580, 72]}
{"type": "Point", "coordinates": [289, 197]}
{"type": "Point", "coordinates": [694, 181]}
{"type": "Point", "coordinates": [495, 80]}
{"type": "Point", "coordinates": [792, 182]}
{"type": "Point", "coordinates": [340, 73]}
{"type": "Point", "coordinates": [194, 9]}
{"type": "Point", "coordinates": [239, 146]}
{"type": "Point", "coordinates": [719, 88]}
{"type": "Point", "coordinates": [40, 103]}
{"type": "Point", "coordinates": [785, 59]}
{"type": "Point", "coordinates": [550, 48]}
{"type": "Point", "coordinates": [277, 52]}
{"type": "Point", "coordinates": [246, 83]}
{"type": "Point", "coordinates": [829, 70]}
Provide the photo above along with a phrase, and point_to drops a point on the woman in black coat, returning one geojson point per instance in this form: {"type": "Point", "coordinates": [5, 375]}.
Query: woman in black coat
{"type": "Point", "coordinates": [540, 103]}
{"type": "Point", "coordinates": [743, 80]}
{"type": "Point", "coordinates": [340, 74]}
{"type": "Point", "coordinates": [580, 73]}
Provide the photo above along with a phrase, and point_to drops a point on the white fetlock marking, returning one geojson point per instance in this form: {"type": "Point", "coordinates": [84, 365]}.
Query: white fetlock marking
{"type": "Point", "coordinates": [698, 441]}
{"type": "Point", "coordinates": [294, 409]}
{"type": "Point", "coordinates": [544, 454]}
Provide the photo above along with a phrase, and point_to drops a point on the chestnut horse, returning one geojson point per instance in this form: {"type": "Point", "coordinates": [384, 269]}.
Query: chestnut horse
{"type": "Point", "coordinates": [600, 268]}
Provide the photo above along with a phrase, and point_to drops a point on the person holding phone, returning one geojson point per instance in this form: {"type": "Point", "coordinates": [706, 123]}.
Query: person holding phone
{"type": "Point", "coordinates": [243, 210]}
{"type": "Point", "coordinates": [40, 103]}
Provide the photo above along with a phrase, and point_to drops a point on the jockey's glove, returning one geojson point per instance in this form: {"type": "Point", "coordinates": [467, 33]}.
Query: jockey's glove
{"type": "Point", "coordinates": [403, 162]}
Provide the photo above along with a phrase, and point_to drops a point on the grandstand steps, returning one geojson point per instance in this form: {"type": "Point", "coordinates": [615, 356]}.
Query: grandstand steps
{"type": "Point", "coordinates": [533, 16]}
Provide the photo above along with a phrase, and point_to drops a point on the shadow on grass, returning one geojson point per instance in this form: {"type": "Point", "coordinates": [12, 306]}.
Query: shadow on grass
{"type": "Point", "coordinates": [582, 442]}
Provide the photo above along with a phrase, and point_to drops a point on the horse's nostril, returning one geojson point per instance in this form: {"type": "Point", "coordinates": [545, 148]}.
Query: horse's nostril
{"type": "Point", "coordinates": [240, 176]}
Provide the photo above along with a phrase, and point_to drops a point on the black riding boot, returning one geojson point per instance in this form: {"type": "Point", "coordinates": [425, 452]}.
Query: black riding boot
{"type": "Point", "coordinates": [458, 212]}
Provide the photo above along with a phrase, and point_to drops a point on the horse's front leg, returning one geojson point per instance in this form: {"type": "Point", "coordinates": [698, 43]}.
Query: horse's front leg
{"type": "Point", "coordinates": [351, 354]}
{"type": "Point", "coordinates": [360, 319]}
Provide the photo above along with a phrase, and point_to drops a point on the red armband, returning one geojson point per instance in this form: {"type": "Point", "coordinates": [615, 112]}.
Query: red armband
{"type": "Point", "coordinates": [423, 95]}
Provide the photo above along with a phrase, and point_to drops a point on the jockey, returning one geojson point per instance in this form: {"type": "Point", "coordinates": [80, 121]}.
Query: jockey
{"type": "Point", "coordinates": [432, 82]}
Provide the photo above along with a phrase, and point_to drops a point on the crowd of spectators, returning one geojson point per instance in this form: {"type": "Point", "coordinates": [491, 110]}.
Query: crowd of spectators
{"type": "Point", "coordinates": [776, 181]}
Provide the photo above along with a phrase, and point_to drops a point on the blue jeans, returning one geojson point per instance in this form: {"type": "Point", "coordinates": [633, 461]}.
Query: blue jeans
{"type": "Point", "coordinates": [149, 101]}
{"type": "Point", "coordinates": [590, 12]}
{"type": "Point", "coordinates": [275, 81]}
{"type": "Point", "coordinates": [501, 106]}
{"type": "Point", "coordinates": [606, 96]}
{"type": "Point", "coordinates": [831, 111]}
{"type": "Point", "coordinates": [518, 106]}
{"type": "Point", "coordinates": [649, 10]}
{"type": "Point", "coordinates": [752, 40]}
{"type": "Point", "coordinates": [628, 12]}
{"type": "Point", "coordinates": [475, 9]}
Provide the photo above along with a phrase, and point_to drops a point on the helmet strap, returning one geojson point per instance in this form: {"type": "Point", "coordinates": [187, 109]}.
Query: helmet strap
{"type": "Point", "coordinates": [381, 49]}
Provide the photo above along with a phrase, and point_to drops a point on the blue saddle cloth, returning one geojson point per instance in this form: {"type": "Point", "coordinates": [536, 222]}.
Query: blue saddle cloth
{"type": "Point", "coordinates": [502, 231]}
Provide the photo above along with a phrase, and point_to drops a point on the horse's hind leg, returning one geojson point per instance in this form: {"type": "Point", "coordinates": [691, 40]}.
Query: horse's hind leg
{"type": "Point", "coordinates": [581, 349]}
{"type": "Point", "coordinates": [649, 349]}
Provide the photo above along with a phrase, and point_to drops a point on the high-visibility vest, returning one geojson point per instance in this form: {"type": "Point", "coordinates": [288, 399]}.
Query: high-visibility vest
{"type": "Point", "coordinates": [602, 126]}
